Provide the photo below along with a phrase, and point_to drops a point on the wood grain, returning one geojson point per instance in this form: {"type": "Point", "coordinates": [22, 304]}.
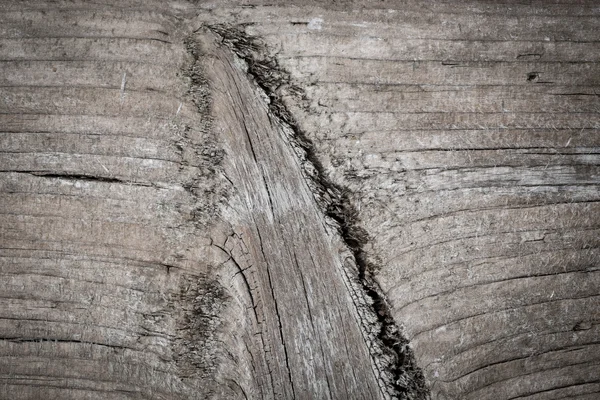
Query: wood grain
{"type": "Point", "coordinates": [312, 324]}
{"type": "Point", "coordinates": [469, 137]}
{"type": "Point", "coordinates": [162, 235]}
{"type": "Point", "coordinates": [100, 182]}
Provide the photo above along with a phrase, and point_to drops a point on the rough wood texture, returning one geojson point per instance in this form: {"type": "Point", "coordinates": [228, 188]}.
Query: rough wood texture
{"type": "Point", "coordinates": [107, 284]}
{"type": "Point", "coordinates": [468, 135]}
{"type": "Point", "coordinates": [312, 332]}
{"type": "Point", "coordinates": [166, 231]}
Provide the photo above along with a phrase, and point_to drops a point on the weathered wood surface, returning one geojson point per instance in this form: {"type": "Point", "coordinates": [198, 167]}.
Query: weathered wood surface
{"type": "Point", "coordinates": [311, 331]}
{"type": "Point", "coordinates": [136, 264]}
{"type": "Point", "coordinates": [468, 134]}
{"type": "Point", "coordinates": [155, 246]}
{"type": "Point", "coordinates": [104, 172]}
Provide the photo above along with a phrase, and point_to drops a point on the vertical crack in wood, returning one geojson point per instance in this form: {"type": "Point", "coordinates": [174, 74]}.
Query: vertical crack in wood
{"type": "Point", "coordinates": [390, 351]}
{"type": "Point", "coordinates": [312, 319]}
{"type": "Point", "coordinates": [281, 335]}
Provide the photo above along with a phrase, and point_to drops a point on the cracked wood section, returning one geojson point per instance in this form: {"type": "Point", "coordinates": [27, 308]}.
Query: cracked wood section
{"type": "Point", "coordinates": [469, 135]}
{"type": "Point", "coordinates": [305, 311]}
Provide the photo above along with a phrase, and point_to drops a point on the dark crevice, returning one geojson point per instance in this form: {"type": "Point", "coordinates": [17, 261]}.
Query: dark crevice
{"type": "Point", "coordinates": [50, 340]}
{"type": "Point", "coordinates": [530, 56]}
{"type": "Point", "coordinates": [576, 94]}
{"type": "Point", "coordinates": [80, 177]}
{"type": "Point", "coordinates": [169, 267]}
{"type": "Point", "coordinates": [407, 379]}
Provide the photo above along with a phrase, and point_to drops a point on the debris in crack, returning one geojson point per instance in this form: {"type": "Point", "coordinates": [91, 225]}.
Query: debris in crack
{"type": "Point", "coordinates": [200, 304]}
{"type": "Point", "coordinates": [391, 352]}
{"type": "Point", "coordinates": [197, 144]}
{"type": "Point", "coordinates": [265, 70]}
{"type": "Point", "coordinates": [197, 308]}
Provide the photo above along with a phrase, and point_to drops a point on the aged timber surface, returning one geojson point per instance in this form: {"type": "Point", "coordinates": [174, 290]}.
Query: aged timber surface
{"type": "Point", "coordinates": [469, 136]}
{"type": "Point", "coordinates": [160, 238]}
{"type": "Point", "coordinates": [153, 247]}
{"type": "Point", "coordinates": [102, 169]}
{"type": "Point", "coordinates": [306, 310]}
